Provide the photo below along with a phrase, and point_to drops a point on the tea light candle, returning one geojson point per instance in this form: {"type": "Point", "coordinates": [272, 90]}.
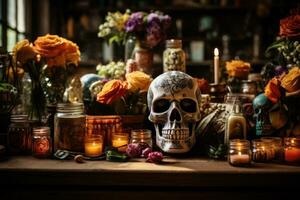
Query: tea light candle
{"type": "Point", "coordinates": [239, 159]}
{"type": "Point", "coordinates": [120, 141]}
{"type": "Point", "coordinates": [216, 65]}
{"type": "Point", "coordinates": [93, 146]}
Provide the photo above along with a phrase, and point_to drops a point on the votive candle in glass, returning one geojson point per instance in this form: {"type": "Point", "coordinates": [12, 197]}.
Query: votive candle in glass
{"type": "Point", "coordinates": [93, 145]}
{"type": "Point", "coordinates": [277, 145]}
{"type": "Point", "coordinates": [120, 141]}
{"type": "Point", "coordinates": [292, 150]}
{"type": "Point", "coordinates": [41, 142]}
{"type": "Point", "coordinates": [239, 153]}
{"type": "Point", "coordinates": [262, 150]}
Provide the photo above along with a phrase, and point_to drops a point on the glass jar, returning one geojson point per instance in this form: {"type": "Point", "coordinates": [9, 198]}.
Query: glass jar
{"type": "Point", "coordinates": [276, 142]}
{"type": "Point", "coordinates": [120, 141]}
{"type": "Point", "coordinates": [174, 56]}
{"type": "Point", "coordinates": [262, 150]}
{"type": "Point", "coordinates": [239, 153]}
{"type": "Point", "coordinates": [248, 87]}
{"type": "Point", "coordinates": [103, 125]}
{"type": "Point", "coordinates": [69, 127]}
{"type": "Point", "coordinates": [142, 136]}
{"type": "Point", "coordinates": [93, 145]}
{"type": "Point", "coordinates": [41, 142]}
{"type": "Point", "coordinates": [292, 150]}
{"type": "Point", "coordinates": [19, 135]}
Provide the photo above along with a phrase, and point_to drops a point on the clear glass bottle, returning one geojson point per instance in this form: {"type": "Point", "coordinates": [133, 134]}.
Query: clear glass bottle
{"type": "Point", "coordinates": [292, 150]}
{"type": "Point", "coordinates": [277, 144]}
{"type": "Point", "coordinates": [174, 56]}
{"type": "Point", "coordinates": [239, 153]}
{"type": "Point", "coordinates": [141, 136]}
{"type": "Point", "coordinates": [235, 127]}
{"type": "Point", "coordinates": [262, 150]}
{"type": "Point", "coordinates": [41, 142]}
{"type": "Point", "coordinates": [129, 47]}
{"type": "Point", "coordinates": [19, 135]}
{"type": "Point", "coordinates": [69, 127]}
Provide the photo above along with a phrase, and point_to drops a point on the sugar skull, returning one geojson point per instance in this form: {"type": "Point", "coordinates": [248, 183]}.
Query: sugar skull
{"type": "Point", "coordinates": [173, 100]}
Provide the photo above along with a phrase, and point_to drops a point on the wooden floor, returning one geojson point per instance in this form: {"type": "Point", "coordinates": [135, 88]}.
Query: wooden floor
{"type": "Point", "coordinates": [26, 177]}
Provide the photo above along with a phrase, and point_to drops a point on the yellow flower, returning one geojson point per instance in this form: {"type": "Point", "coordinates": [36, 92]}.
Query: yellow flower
{"type": "Point", "coordinates": [291, 81]}
{"type": "Point", "coordinates": [272, 90]}
{"type": "Point", "coordinates": [23, 51]}
{"type": "Point", "coordinates": [138, 80]}
{"type": "Point", "coordinates": [238, 68]}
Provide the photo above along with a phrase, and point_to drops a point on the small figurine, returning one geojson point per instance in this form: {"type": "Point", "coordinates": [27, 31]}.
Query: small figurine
{"type": "Point", "coordinates": [73, 93]}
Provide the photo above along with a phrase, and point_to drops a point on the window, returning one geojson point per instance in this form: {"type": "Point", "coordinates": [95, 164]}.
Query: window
{"type": "Point", "coordinates": [12, 22]}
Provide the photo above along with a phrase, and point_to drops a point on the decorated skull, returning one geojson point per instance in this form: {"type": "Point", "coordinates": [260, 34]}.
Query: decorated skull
{"type": "Point", "coordinates": [173, 101]}
{"type": "Point", "coordinates": [262, 106]}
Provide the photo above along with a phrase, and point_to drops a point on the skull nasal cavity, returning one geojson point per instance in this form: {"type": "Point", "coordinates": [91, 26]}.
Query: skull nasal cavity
{"type": "Point", "coordinates": [175, 115]}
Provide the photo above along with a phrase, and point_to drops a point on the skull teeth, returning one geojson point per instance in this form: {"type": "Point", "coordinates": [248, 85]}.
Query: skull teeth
{"type": "Point", "coordinates": [175, 134]}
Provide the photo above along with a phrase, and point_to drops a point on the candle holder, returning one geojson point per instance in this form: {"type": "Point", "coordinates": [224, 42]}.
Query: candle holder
{"type": "Point", "coordinates": [239, 153]}
{"type": "Point", "coordinates": [292, 150]}
{"type": "Point", "coordinates": [120, 141]}
{"type": "Point", "coordinates": [93, 145]}
{"type": "Point", "coordinates": [141, 136]}
{"type": "Point", "coordinates": [262, 150]}
{"type": "Point", "coordinates": [41, 142]}
{"type": "Point", "coordinates": [277, 145]}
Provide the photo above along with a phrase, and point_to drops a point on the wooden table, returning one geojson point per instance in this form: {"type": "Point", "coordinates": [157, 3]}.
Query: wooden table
{"type": "Point", "coordinates": [24, 177]}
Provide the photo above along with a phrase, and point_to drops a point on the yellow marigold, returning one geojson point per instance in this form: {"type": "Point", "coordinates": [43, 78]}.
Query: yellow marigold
{"type": "Point", "coordinates": [23, 51]}
{"type": "Point", "coordinates": [238, 68]}
{"type": "Point", "coordinates": [291, 81]}
{"type": "Point", "coordinates": [50, 46]}
{"type": "Point", "coordinates": [272, 90]}
{"type": "Point", "coordinates": [138, 80]}
{"type": "Point", "coordinates": [111, 91]}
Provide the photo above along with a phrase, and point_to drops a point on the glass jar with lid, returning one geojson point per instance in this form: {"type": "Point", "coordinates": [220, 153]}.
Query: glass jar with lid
{"type": "Point", "coordinates": [174, 56]}
{"type": "Point", "coordinates": [239, 153]}
{"type": "Point", "coordinates": [69, 127]}
{"type": "Point", "coordinates": [141, 136]}
{"type": "Point", "coordinates": [262, 150]}
{"type": "Point", "coordinates": [19, 135]}
{"type": "Point", "coordinates": [41, 142]}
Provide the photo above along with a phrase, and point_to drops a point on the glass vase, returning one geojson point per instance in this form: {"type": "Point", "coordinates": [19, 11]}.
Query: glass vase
{"type": "Point", "coordinates": [143, 56]}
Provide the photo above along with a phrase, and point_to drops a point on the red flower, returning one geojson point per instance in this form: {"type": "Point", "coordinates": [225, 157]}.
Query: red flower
{"type": "Point", "coordinates": [290, 26]}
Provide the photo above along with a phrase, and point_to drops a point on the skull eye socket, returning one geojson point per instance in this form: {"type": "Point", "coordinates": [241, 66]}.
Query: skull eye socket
{"type": "Point", "coordinates": [161, 105]}
{"type": "Point", "coordinates": [188, 105]}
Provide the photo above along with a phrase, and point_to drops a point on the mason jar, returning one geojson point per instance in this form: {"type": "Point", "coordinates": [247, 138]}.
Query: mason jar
{"type": "Point", "coordinates": [174, 56]}
{"type": "Point", "coordinates": [239, 153]}
{"type": "Point", "coordinates": [262, 150]}
{"type": "Point", "coordinates": [277, 144]}
{"type": "Point", "coordinates": [292, 150]}
{"type": "Point", "coordinates": [19, 135]}
{"type": "Point", "coordinates": [69, 127]}
{"type": "Point", "coordinates": [141, 136]}
{"type": "Point", "coordinates": [41, 142]}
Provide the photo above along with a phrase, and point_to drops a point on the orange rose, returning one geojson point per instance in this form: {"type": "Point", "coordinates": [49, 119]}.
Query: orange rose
{"type": "Point", "coordinates": [111, 91]}
{"type": "Point", "coordinates": [23, 51]}
{"type": "Point", "coordinates": [290, 26]}
{"type": "Point", "coordinates": [238, 68]}
{"type": "Point", "coordinates": [138, 80]}
{"type": "Point", "coordinates": [50, 46]}
{"type": "Point", "coordinates": [272, 90]}
{"type": "Point", "coordinates": [72, 53]}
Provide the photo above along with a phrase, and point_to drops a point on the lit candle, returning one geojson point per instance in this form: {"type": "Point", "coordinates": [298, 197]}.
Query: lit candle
{"type": "Point", "coordinates": [239, 159]}
{"type": "Point", "coordinates": [93, 146]}
{"type": "Point", "coordinates": [216, 65]}
{"type": "Point", "coordinates": [120, 141]}
{"type": "Point", "coordinates": [292, 151]}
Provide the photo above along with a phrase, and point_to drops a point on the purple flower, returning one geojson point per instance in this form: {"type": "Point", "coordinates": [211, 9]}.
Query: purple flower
{"type": "Point", "coordinates": [134, 150]}
{"type": "Point", "coordinates": [146, 152]}
{"type": "Point", "coordinates": [153, 18]}
{"type": "Point", "coordinates": [155, 157]}
{"type": "Point", "coordinates": [135, 22]}
{"type": "Point", "coordinates": [154, 34]}
{"type": "Point", "coordinates": [280, 70]}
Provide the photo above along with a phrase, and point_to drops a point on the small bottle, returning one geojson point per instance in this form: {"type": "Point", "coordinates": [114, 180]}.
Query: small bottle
{"type": "Point", "coordinates": [41, 142]}
{"type": "Point", "coordinates": [235, 127]}
{"type": "Point", "coordinates": [141, 136]}
{"type": "Point", "coordinates": [262, 151]}
{"type": "Point", "coordinates": [174, 56]}
{"type": "Point", "coordinates": [239, 153]}
{"type": "Point", "coordinates": [292, 150]}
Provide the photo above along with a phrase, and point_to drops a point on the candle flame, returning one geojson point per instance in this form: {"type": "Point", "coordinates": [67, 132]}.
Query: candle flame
{"type": "Point", "coordinates": [216, 52]}
{"type": "Point", "coordinates": [239, 153]}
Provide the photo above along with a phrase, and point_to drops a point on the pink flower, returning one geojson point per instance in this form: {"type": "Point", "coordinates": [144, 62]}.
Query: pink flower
{"type": "Point", "coordinates": [134, 150]}
{"type": "Point", "coordinates": [155, 157]}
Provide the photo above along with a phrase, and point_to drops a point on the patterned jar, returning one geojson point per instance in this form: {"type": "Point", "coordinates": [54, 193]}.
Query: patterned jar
{"type": "Point", "coordinates": [174, 56]}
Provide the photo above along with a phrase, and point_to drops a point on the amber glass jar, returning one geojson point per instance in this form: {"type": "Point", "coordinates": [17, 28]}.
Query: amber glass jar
{"type": "Point", "coordinates": [142, 136]}
{"type": "Point", "coordinates": [41, 142]}
{"type": "Point", "coordinates": [262, 151]}
{"type": "Point", "coordinates": [277, 145]}
{"type": "Point", "coordinates": [69, 127]}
